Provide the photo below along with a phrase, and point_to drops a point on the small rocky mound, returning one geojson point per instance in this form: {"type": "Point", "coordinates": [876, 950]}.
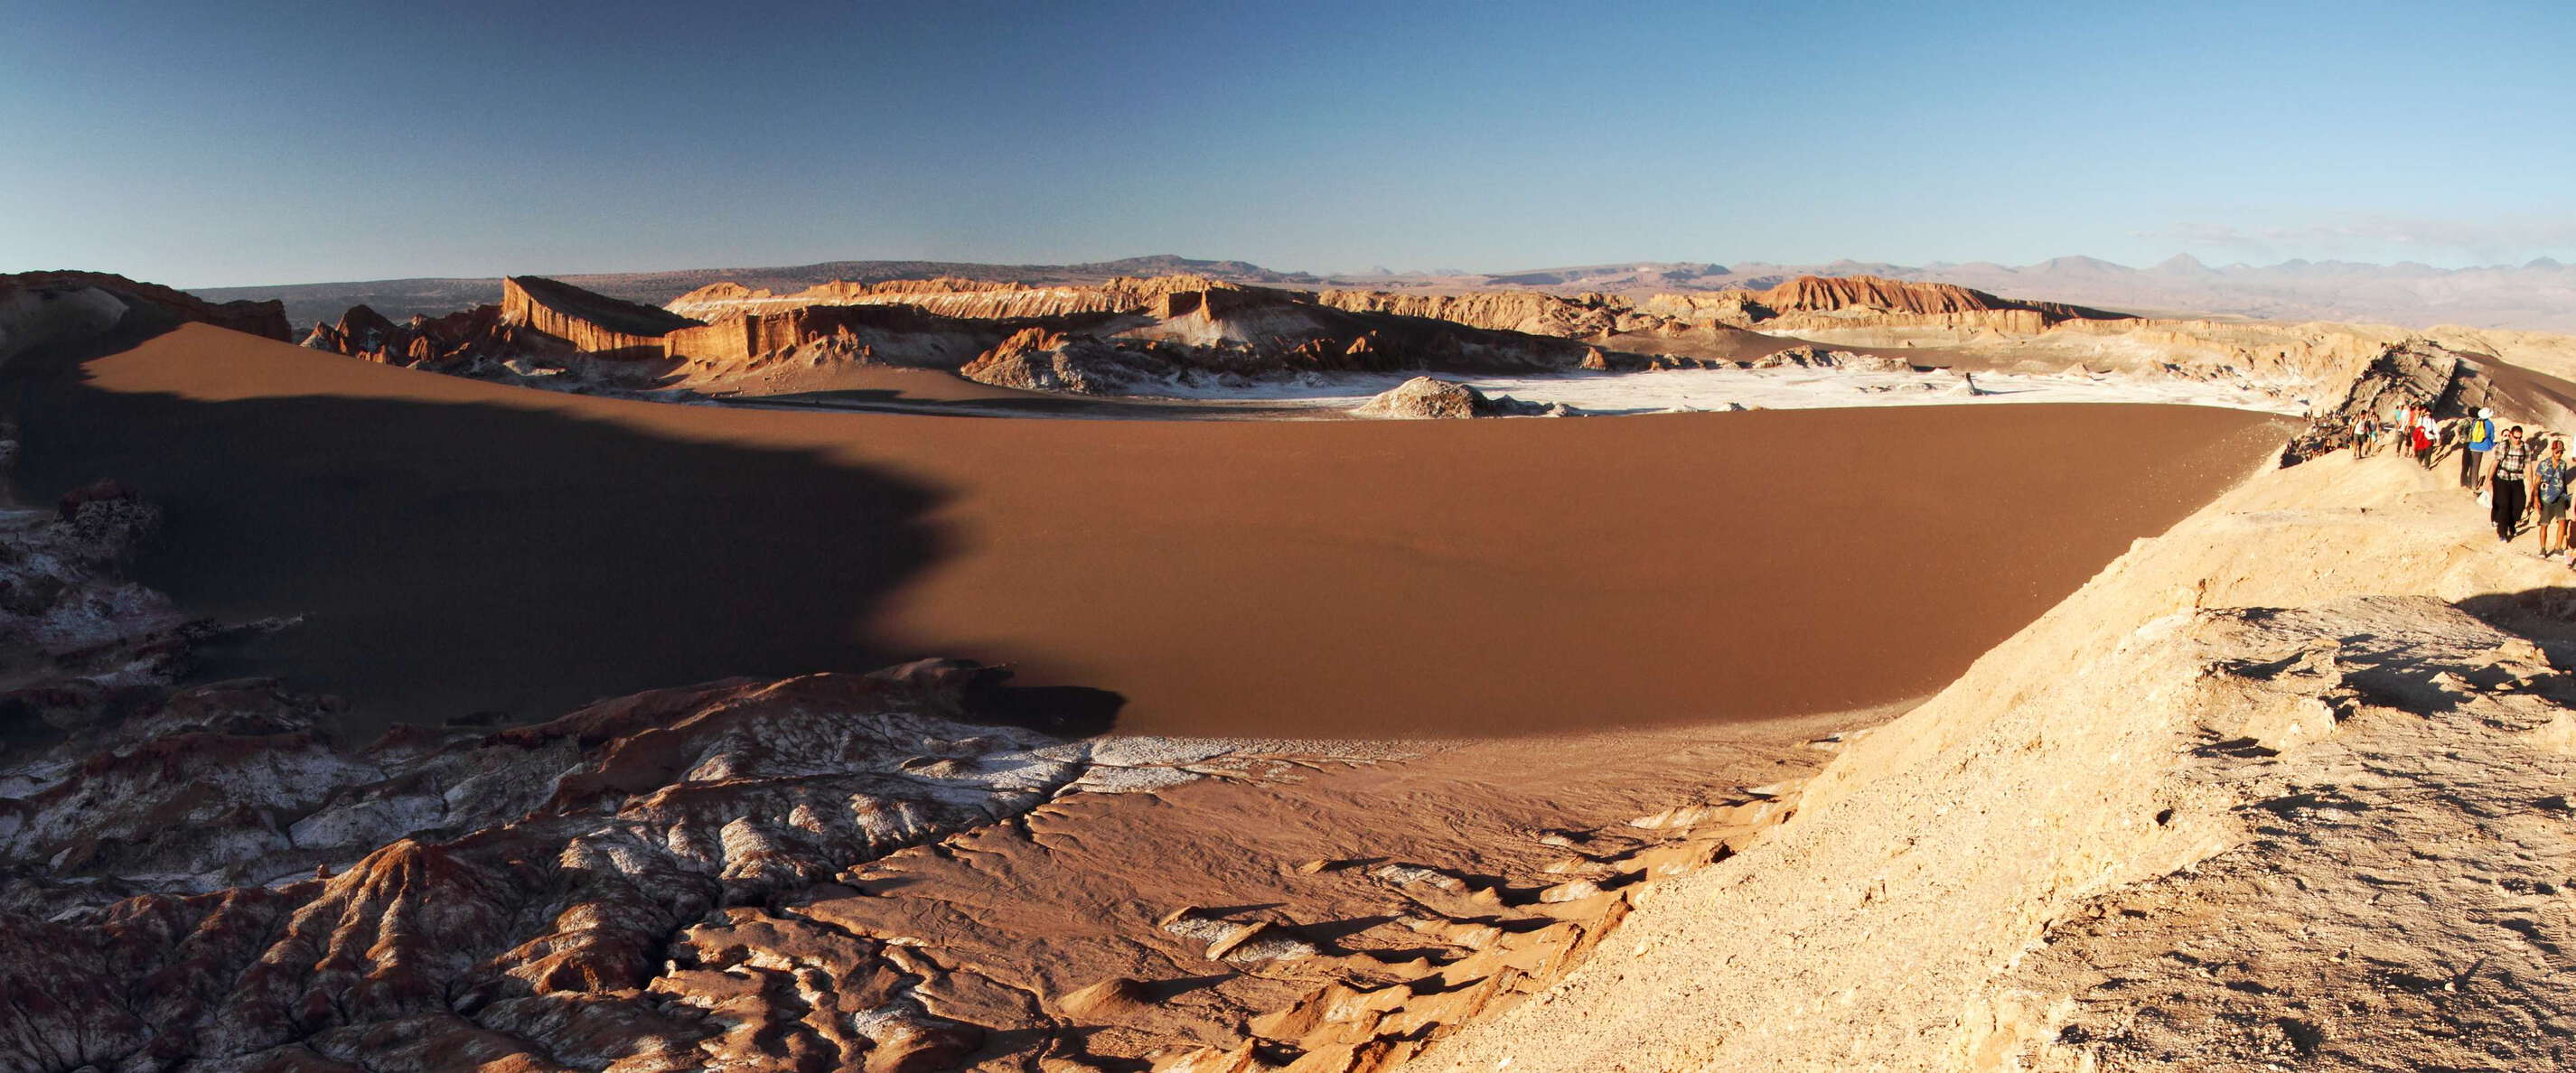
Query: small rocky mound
{"type": "Point", "coordinates": [1035, 359]}
{"type": "Point", "coordinates": [1424, 397]}
{"type": "Point", "coordinates": [1816, 357]}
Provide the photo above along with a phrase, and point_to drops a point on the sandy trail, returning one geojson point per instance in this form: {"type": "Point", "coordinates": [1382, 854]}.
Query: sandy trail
{"type": "Point", "coordinates": [462, 546]}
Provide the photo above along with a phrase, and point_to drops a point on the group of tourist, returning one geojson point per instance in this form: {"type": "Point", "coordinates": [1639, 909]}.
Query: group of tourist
{"type": "Point", "coordinates": [2520, 479]}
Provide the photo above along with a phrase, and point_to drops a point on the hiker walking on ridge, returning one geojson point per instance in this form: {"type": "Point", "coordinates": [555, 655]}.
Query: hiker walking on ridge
{"type": "Point", "coordinates": [2363, 428]}
{"type": "Point", "coordinates": [2480, 435]}
{"type": "Point", "coordinates": [2549, 497]}
{"type": "Point", "coordinates": [2506, 463]}
{"type": "Point", "coordinates": [2427, 438]}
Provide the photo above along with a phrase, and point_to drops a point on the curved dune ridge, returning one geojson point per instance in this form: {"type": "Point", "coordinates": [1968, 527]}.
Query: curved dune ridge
{"type": "Point", "coordinates": [458, 546]}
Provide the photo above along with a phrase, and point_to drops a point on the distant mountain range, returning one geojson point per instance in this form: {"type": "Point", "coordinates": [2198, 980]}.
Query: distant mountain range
{"type": "Point", "coordinates": [2540, 295]}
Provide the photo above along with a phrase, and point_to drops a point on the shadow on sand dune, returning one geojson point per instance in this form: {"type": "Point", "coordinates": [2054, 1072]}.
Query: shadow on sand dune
{"type": "Point", "coordinates": [458, 558]}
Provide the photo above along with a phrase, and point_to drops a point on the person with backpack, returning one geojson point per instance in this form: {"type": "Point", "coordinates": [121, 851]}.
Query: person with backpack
{"type": "Point", "coordinates": [2549, 497]}
{"type": "Point", "coordinates": [2507, 462]}
{"type": "Point", "coordinates": [2363, 428]}
{"type": "Point", "coordinates": [2480, 437]}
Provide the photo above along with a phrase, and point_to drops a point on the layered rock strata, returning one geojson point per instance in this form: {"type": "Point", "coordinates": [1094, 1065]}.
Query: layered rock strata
{"type": "Point", "coordinates": [591, 323]}
{"type": "Point", "coordinates": [2415, 373]}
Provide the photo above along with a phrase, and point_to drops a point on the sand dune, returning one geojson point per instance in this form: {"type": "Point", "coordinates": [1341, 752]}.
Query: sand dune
{"type": "Point", "coordinates": [462, 546]}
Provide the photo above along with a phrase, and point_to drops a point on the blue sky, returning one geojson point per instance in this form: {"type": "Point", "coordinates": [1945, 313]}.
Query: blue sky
{"type": "Point", "coordinates": [206, 145]}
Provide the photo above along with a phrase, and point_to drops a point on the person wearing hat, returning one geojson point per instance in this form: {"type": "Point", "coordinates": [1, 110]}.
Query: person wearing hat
{"type": "Point", "coordinates": [2480, 439]}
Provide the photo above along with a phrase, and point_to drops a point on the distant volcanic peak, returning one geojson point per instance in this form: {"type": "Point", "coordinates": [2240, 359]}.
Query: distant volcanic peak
{"type": "Point", "coordinates": [531, 299]}
{"type": "Point", "coordinates": [262, 318]}
{"type": "Point", "coordinates": [2080, 263]}
{"type": "Point", "coordinates": [1165, 264]}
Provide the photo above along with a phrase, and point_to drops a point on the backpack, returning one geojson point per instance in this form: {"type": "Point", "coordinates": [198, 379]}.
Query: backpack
{"type": "Point", "coordinates": [2482, 433]}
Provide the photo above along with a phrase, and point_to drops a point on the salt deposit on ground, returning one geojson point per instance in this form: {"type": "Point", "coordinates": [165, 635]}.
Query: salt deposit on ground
{"type": "Point", "coordinates": [1688, 390]}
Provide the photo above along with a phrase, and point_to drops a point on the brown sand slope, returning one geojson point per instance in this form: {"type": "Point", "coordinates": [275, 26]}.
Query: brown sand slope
{"type": "Point", "coordinates": [463, 546]}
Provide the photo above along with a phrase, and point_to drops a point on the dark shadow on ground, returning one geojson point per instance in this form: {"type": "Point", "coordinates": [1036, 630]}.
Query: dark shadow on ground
{"type": "Point", "coordinates": [454, 558]}
{"type": "Point", "coordinates": [2546, 615]}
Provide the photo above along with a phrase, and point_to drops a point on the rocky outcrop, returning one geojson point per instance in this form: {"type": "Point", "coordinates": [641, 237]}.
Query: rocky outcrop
{"type": "Point", "coordinates": [2415, 373]}
{"type": "Point", "coordinates": [1428, 398]}
{"type": "Point", "coordinates": [1528, 312]}
{"type": "Point", "coordinates": [1234, 336]}
{"type": "Point", "coordinates": [1034, 359]}
{"type": "Point", "coordinates": [593, 324]}
{"type": "Point", "coordinates": [1815, 357]}
{"type": "Point", "coordinates": [474, 340]}
{"type": "Point", "coordinates": [1827, 294]}
{"type": "Point", "coordinates": [886, 334]}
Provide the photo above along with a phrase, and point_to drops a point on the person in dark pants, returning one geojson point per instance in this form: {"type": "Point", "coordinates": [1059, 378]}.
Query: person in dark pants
{"type": "Point", "coordinates": [2549, 496]}
{"type": "Point", "coordinates": [2478, 438]}
{"type": "Point", "coordinates": [2505, 467]}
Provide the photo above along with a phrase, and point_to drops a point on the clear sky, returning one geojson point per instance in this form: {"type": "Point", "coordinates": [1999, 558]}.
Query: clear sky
{"type": "Point", "coordinates": [212, 144]}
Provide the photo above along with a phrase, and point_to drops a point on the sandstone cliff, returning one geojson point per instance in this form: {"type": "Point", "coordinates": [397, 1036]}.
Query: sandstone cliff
{"type": "Point", "coordinates": [947, 296]}
{"type": "Point", "coordinates": [1530, 312]}
{"type": "Point", "coordinates": [592, 323]}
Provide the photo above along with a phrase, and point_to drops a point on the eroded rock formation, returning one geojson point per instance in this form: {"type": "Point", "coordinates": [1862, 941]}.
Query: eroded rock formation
{"type": "Point", "coordinates": [463, 342]}
{"type": "Point", "coordinates": [1429, 398]}
{"type": "Point", "coordinates": [2414, 373]}
{"type": "Point", "coordinates": [591, 323]}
